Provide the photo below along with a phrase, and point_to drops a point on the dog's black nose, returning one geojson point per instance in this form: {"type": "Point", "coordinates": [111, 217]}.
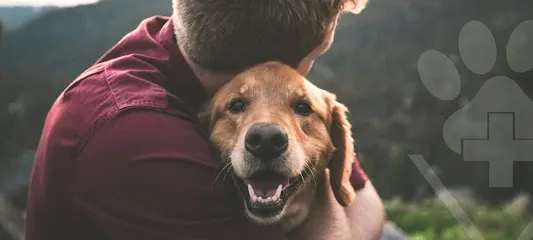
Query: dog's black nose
{"type": "Point", "coordinates": [266, 141]}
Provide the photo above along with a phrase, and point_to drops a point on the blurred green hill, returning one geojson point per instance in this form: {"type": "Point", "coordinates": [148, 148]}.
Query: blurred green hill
{"type": "Point", "coordinates": [65, 41]}
{"type": "Point", "coordinates": [15, 17]}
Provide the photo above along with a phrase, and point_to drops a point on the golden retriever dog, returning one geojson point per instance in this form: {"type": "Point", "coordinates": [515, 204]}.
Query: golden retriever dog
{"type": "Point", "coordinates": [279, 133]}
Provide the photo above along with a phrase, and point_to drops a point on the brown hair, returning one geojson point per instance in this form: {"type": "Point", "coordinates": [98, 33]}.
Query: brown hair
{"type": "Point", "coordinates": [232, 35]}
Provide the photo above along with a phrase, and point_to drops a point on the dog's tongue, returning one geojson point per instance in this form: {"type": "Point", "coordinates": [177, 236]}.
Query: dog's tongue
{"type": "Point", "coordinates": [266, 184]}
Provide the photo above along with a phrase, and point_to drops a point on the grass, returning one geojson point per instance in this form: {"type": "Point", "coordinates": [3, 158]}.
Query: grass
{"type": "Point", "coordinates": [431, 220]}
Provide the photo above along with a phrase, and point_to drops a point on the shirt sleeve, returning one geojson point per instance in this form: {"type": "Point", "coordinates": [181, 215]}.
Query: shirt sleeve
{"type": "Point", "coordinates": [358, 177]}
{"type": "Point", "coordinates": [150, 175]}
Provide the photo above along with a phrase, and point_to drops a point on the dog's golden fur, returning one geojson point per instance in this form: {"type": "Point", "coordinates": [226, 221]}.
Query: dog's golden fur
{"type": "Point", "coordinates": [318, 141]}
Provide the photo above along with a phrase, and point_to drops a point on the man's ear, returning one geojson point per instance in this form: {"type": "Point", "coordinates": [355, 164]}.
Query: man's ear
{"type": "Point", "coordinates": [340, 165]}
{"type": "Point", "coordinates": [354, 6]}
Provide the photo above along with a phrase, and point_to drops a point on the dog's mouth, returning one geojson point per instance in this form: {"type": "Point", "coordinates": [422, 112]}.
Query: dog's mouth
{"type": "Point", "coordinates": [267, 192]}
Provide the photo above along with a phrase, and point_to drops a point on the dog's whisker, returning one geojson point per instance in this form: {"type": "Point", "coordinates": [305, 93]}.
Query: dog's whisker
{"type": "Point", "coordinates": [221, 162]}
{"type": "Point", "coordinates": [312, 175]}
{"type": "Point", "coordinates": [315, 174]}
{"type": "Point", "coordinates": [224, 161]}
{"type": "Point", "coordinates": [226, 175]}
{"type": "Point", "coordinates": [309, 176]}
{"type": "Point", "coordinates": [228, 164]}
{"type": "Point", "coordinates": [303, 180]}
{"type": "Point", "coordinates": [312, 172]}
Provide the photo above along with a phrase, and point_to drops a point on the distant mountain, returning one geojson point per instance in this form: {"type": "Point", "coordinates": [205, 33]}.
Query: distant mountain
{"type": "Point", "coordinates": [64, 42]}
{"type": "Point", "coordinates": [15, 17]}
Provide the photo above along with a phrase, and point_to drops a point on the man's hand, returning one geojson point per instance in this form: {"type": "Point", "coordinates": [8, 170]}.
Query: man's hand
{"type": "Point", "coordinates": [363, 220]}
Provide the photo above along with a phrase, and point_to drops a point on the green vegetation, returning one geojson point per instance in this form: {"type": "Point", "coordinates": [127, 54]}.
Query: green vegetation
{"type": "Point", "coordinates": [431, 220]}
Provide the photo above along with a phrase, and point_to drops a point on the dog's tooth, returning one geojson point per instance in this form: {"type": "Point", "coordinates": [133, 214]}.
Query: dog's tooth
{"type": "Point", "coordinates": [254, 198]}
{"type": "Point", "coordinates": [274, 198]}
{"type": "Point", "coordinates": [269, 199]}
{"type": "Point", "coordinates": [278, 191]}
{"type": "Point", "coordinates": [251, 190]}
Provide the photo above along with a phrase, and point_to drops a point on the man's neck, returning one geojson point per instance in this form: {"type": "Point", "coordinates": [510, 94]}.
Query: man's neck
{"type": "Point", "coordinates": [210, 80]}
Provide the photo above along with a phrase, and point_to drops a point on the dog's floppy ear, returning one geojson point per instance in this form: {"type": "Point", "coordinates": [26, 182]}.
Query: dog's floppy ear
{"type": "Point", "coordinates": [340, 165]}
{"type": "Point", "coordinates": [206, 116]}
{"type": "Point", "coordinates": [354, 6]}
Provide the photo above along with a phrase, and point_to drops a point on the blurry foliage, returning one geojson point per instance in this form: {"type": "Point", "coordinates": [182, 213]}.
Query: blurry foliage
{"type": "Point", "coordinates": [431, 220]}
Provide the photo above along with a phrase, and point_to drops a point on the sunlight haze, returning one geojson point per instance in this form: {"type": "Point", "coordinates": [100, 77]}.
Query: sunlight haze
{"type": "Point", "coordinates": [36, 3]}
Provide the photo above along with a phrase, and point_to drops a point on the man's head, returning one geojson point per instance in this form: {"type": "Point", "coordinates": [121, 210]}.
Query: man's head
{"type": "Point", "coordinates": [232, 35]}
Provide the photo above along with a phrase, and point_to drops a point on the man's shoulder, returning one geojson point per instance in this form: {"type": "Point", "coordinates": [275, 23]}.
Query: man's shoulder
{"type": "Point", "coordinates": [106, 90]}
{"type": "Point", "coordinates": [147, 69]}
{"type": "Point", "coordinates": [143, 70]}
{"type": "Point", "coordinates": [148, 133]}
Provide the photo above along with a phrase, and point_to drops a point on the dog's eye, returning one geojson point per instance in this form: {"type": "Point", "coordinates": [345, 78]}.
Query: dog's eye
{"type": "Point", "coordinates": [303, 108]}
{"type": "Point", "coordinates": [237, 106]}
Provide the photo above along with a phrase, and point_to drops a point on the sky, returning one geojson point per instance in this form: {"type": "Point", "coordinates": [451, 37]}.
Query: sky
{"type": "Point", "coordinates": [36, 3]}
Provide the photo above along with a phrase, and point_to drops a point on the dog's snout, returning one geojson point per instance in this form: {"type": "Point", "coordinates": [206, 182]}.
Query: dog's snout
{"type": "Point", "coordinates": [266, 141]}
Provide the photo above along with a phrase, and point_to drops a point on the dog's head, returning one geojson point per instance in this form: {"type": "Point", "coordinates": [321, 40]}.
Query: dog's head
{"type": "Point", "coordinates": [280, 132]}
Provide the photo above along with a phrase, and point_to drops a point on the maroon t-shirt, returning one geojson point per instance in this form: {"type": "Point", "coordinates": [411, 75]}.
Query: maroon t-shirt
{"type": "Point", "coordinates": [122, 155]}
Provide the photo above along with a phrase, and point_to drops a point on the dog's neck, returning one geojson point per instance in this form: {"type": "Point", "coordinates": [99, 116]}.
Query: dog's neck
{"type": "Point", "coordinates": [302, 205]}
{"type": "Point", "coordinates": [299, 209]}
{"type": "Point", "coordinates": [322, 211]}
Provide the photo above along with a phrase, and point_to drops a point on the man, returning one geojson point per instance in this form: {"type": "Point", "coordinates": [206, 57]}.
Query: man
{"type": "Point", "coordinates": [122, 155]}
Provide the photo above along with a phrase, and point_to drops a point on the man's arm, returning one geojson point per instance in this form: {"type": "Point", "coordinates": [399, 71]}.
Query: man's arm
{"type": "Point", "coordinates": [367, 214]}
{"type": "Point", "coordinates": [149, 175]}
{"type": "Point", "coordinates": [363, 220]}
